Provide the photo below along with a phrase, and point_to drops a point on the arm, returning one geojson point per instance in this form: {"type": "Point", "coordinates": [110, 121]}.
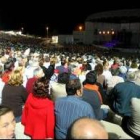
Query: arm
{"type": "Point", "coordinates": [24, 94]}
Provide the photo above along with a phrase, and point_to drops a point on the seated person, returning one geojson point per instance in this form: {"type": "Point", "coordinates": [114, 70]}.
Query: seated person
{"type": "Point", "coordinates": [131, 125]}
{"type": "Point", "coordinates": [70, 108]}
{"type": "Point", "coordinates": [58, 89]}
{"type": "Point", "coordinates": [92, 95]}
{"type": "Point", "coordinates": [7, 123]}
{"type": "Point", "coordinates": [121, 95]}
{"type": "Point", "coordinates": [38, 114]}
{"type": "Point", "coordinates": [86, 128]}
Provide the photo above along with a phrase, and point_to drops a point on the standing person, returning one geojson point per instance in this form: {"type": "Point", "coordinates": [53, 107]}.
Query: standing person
{"type": "Point", "coordinates": [70, 108]}
{"type": "Point", "coordinates": [7, 123]}
{"type": "Point", "coordinates": [38, 114]}
{"type": "Point", "coordinates": [14, 94]}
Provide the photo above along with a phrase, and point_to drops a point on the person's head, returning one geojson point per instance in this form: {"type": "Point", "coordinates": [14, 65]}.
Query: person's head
{"type": "Point", "coordinates": [131, 76]}
{"type": "Point", "coordinates": [122, 69]}
{"type": "Point", "coordinates": [41, 88]}
{"type": "Point", "coordinates": [9, 66]}
{"type": "Point", "coordinates": [115, 72]}
{"type": "Point", "coordinates": [91, 78]}
{"type": "Point", "coordinates": [63, 62]}
{"type": "Point", "coordinates": [86, 128]}
{"type": "Point", "coordinates": [63, 78]}
{"type": "Point", "coordinates": [73, 87]}
{"type": "Point", "coordinates": [7, 123]}
{"type": "Point", "coordinates": [99, 69]}
{"type": "Point", "coordinates": [38, 72]}
{"type": "Point", "coordinates": [16, 78]}
{"type": "Point", "coordinates": [134, 64]}
{"type": "Point", "coordinates": [35, 57]}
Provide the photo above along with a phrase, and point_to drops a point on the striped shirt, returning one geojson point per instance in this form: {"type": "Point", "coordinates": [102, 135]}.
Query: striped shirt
{"type": "Point", "coordinates": [67, 110]}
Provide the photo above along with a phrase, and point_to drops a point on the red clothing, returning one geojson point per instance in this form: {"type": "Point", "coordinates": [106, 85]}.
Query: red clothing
{"type": "Point", "coordinates": [5, 77]}
{"type": "Point", "coordinates": [38, 118]}
{"type": "Point", "coordinates": [114, 66]}
{"type": "Point", "coordinates": [30, 83]}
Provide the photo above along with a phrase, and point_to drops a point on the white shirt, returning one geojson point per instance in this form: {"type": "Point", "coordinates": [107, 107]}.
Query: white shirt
{"type": "Point", "coordinates": [1, 88]}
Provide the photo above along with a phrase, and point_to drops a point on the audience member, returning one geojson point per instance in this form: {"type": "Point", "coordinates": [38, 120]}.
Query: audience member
{"type": "Point", "coordinates": [38, 114]}
{"type": "Point", "coordinates": [7, 123]}
{"type": "Point", "coordinates": [14, 94]}
{"type": "Point", "coordinates": [86, 128]}
{"type": "Point", "coordinates": [70, 108]}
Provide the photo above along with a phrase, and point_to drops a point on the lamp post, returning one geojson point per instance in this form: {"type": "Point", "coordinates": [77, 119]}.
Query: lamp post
{"type": "Point", "coordinates": [47, 28]}
{"type": "Point", "coordinates": [22, 30]}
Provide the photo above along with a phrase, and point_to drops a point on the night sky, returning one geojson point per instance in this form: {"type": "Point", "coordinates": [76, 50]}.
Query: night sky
{"type": "Point", "coordinates": [62, 17]}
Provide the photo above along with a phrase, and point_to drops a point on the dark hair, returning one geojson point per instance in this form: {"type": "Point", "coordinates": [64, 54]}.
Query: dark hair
{"type": "Point", "coordinates": [41, 88]}
{"type": "Point", "coordinates": [63, 62]}
{"type": "Point", "coordinates": [72, 86]}
{"type": "Point", "coordinates": [99, 69]}
{"type": "Point", "coordinates": [91, 78]}
{"type": "Point", "coordinates": [8, 66]}
{"type": "Point", "coordinates": [63, 78]}
{"type": "Point", "coordinates": [115, 72]}
{"type": "Point", "coordinates": [4, 110]}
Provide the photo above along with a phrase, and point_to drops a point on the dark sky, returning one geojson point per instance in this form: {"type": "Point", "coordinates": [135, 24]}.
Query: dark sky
{"type": "Point", "coordinates": [61, 17]}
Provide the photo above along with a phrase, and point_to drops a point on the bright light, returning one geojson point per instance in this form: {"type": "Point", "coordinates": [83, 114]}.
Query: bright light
{"type": "Point", "coordinates": [80, 28]}
{"type": "Point", "coordinates": [54, 39]}
{"type": "Point", "coordinates": [108, 32]}
{"type": "Point", "coordinates": [103, 32]}
{"type": "Point", "coordinates": [113, 32]}
{"type": "Point", "coordinates": [100, 32]}
{"type": "Point", "coordinates": [47, 28]}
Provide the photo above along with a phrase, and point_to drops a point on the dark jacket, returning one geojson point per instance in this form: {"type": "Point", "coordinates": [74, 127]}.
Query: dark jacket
{"type": "Point", "coordinates": [14, 97]}
{"type": "Point", "coordinates": [93, 99]}
{"type": "Point", "coordinates": [120, 96]}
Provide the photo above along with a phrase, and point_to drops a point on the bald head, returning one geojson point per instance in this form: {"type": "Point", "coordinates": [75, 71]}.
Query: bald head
{"type": "Point", "coordinates": [85, 128]}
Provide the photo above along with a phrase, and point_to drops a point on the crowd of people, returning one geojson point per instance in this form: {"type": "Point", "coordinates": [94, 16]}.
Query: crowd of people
{"type": "Point", "coordinates": [60, 94]}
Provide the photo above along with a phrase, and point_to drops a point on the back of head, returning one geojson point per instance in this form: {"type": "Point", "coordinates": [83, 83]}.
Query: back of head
{"type": "Point", "coordinates": [131, 76]}
{"type": "Point", "coordinates": [86, 128]}
{"type": "Point", "coordinates": [99, 69]}
{"type": "Point", "coordinates": [72, 86]}
{"type": "Point", "coordinates": [16, 78]}
{"type": "Point", "coordinates": [38, 72]}
{"type": "Point", "coordinates": [41, 88]}
{"type": "Point", "coordinates": [122, 69]}
{"type": "Point", "coordinates": [8, 66]}
{"type": "Point", "coordinates": [91, 78]}
{"type": "Point", "coordinates": [115, 72]}
{"type": "Point", "coordinates": [63, 78]}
